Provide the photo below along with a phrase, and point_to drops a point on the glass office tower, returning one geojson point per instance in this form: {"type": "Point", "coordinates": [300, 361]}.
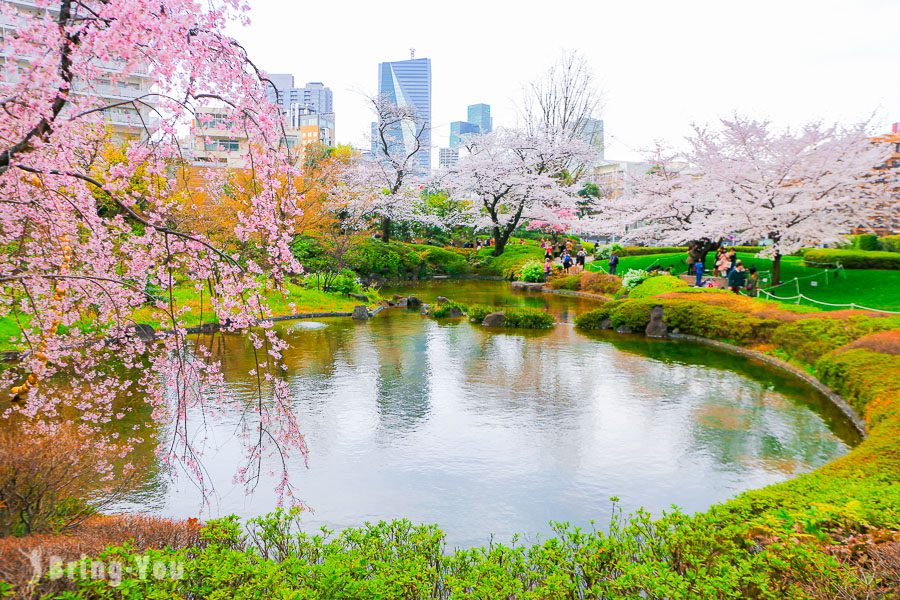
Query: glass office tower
{"type": "Point", "coordinates": [408, 83]}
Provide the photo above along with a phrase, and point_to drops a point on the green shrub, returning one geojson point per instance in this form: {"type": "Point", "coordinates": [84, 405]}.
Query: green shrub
{"type": "Point", "coordinates": [599, 283]}
{"type": "Point", "coordinates": [890, 243]}
{"type": "Point", "coordinates": [527, 318]}
{"type": "Point", "coordinates": [715, 322]}
{"type": "Point", "coordinates": [507, 264]}
{"type": "Point", "coordinates": [593, 319]}
{"type": "Point", "coordinates": [373, 258]}
{"type": "Point", "coordinates": [477, 312]}
{"type": "Point", "coordinates": [809, 339]}
{"type": "Point", "coordinates": [866, 379]}
{"type": "Point", "coordinates": [533, 272]}
{"type": "Point", "coordinates": [442, 261]}
{"type": "Point", "coordinates": [605, 251]}
{"type": "Point", "coordinates": [634, 277]}
{"type": "Point", "coordinates": [852, 259]}
{"type": "Point", "coordinates": [567, 282]}
{"type": "Point", "coordinates": [648, 250]}
{"type": "Point", "coordinates": [311, 253]}
{"type": "Point", "coordinates": [442, 311]}
{"type": "Point", "coordinates": [345, 282]}
{"type": "Point", "coordinates": [865, 241]}
{"type": "Point", "coordinates": [634, 314]}
{"type": "Point", "coordinates": [656, 285]}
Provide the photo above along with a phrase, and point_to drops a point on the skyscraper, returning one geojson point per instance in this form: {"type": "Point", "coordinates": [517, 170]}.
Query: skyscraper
{"type": "Point", "coordinates": [591, 131]}
{"type": "Point", "coordinates": [458, 129]}
{"type": "Point", "coordinates": [314, 97]}
{"type": "Point", "coordinates": [480, 115]}
{"type": "Point", "coordinates": [408, 83]}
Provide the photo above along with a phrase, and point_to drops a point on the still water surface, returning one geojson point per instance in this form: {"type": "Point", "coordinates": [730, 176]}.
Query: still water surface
{"type": "Point", "coordinates": [497, 433]}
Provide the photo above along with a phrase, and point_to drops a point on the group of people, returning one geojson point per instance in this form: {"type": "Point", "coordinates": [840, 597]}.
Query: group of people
{"type": "Point", "coordinates": [568, 255]}
{"type": "Point", "coordinates": [729, 266]}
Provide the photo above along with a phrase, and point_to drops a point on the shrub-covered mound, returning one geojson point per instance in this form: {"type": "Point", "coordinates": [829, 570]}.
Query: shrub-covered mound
{"type": "Point", "coordinates": [519, 318]}
{"type": "Point", "coordinates": [852, 259]}
{"type": "Point", "coordinates": [522, 318]}
{"type": "Point", "coordinates": [656, 285]}
{"type": "Point", "coordinates": [587, 281]}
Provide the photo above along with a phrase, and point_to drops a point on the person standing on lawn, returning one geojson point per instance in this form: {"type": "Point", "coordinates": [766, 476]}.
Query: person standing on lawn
{"type": "Point", "coordinates": [580, 258]}
{"type": "Point", "coordinates": [613, 262]}
{"type": "Point", "coordinates": [752, 278]}
{"type": "Point", "coordinates": [737, 277]}
{"type": "Point", "coordinates": [698, 271]}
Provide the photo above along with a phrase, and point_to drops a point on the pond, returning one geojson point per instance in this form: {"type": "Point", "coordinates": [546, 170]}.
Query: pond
{"type": "Point", "coordinates": [499, 433]}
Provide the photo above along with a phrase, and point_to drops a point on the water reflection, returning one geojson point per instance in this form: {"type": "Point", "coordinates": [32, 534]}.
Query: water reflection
{"type": "Point", "coordinates": [486, 432]}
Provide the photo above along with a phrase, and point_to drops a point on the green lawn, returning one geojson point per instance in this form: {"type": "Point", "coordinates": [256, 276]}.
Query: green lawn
{"type": "Point", "coordinates": [513, 257]}
{"type": "Point", "coordinates": [297, 300]}
{"type": "Point", "coordinates": [866, 287]}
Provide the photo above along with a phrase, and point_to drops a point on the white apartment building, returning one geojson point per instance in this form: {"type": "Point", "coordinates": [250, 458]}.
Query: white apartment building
{"type": "Point", "coordinates": [130, 120]}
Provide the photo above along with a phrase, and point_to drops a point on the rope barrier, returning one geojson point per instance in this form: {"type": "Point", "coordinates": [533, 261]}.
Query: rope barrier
{"type": "Point", "coordinates": [851, 305]}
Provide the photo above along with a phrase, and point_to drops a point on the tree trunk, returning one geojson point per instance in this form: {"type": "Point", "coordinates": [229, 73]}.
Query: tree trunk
{"type": "Point", "coordinates": [776, 269]}
{"type": "Point", "coordinates": [499, 241]}
{"type": "Point", "coordinates": [386, 229]}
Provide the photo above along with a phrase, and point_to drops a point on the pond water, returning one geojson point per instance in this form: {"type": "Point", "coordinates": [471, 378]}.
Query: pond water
{"type": "Point", "coordinates": [499, 433]}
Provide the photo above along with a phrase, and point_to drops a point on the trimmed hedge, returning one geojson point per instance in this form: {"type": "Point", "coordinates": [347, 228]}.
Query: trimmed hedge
{"type": "Point", "coordinates": [687, 316]}
{"type": "Point", "coordinates": [852, 259]}
{"type": "Point", "coordinates": [810, 339]}
{"type": "Point", "coordinates": [890, 243]}
{"type": "Point", "coordinates": [646, 250]}
{"type": "Point", "coordinates": [866, 379]}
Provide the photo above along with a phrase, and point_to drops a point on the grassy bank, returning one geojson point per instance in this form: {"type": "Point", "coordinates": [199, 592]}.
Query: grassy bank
{"type": "Point", "coordinates": [873, 288]}
{"type": "Point", "coordinates": [198, 310]}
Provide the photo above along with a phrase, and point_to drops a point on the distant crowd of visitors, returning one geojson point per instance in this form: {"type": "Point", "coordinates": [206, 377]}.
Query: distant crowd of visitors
{"type": "Point", "coordinates": [726, 264]}
{"type": "Point", "coordinates": [569, 255]}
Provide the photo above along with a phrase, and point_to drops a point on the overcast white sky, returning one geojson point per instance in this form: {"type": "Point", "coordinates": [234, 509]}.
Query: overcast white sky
{"type": "Point", "coordinates": [662, 64]}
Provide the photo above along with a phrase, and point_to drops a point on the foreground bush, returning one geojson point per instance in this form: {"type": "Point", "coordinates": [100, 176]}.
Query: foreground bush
{"type": "Point", "coordinates": [51, 481]}
{"type": "Point", "coordinates": [675, 556]}
{"type": "Point", "coordinates": [852, 259]}
{"type": "Point", "coordinates": [91, 538]}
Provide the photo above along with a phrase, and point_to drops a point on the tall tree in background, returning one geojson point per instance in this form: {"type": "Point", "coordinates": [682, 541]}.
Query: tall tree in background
{"type": "Point", "coordinates": [794, 188]}
{"type": "Point", "coordinates": [84, 237]}
{"type": "Point", "coordinates": [564, 102]}
{"type": "Point", "coordinates": [512, 177]}
{"type": "Point", "coordinates": [394, 172]}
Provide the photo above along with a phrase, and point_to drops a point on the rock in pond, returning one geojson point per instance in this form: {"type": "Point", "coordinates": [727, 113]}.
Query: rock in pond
{"type": "Point", "coordinates": [656, 328]}
{"type": "Point", "coordinates": [496, 319]}
{"type": "Point", "coordinates": [360, 312]}
{"type": "Point", "coordinates": [413, 302]}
